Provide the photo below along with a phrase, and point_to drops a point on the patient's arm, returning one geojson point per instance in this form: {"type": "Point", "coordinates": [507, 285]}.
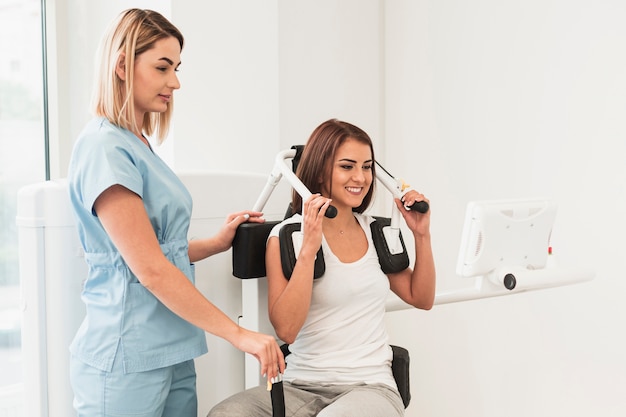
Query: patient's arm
{"type": "Point", "coordinates": [289, 300]}
{"type": "Point", "coordinates": [417, 286]}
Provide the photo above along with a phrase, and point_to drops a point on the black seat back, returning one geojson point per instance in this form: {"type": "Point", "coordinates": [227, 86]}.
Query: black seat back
{"type": "Point", "coordinates": [400, 366]}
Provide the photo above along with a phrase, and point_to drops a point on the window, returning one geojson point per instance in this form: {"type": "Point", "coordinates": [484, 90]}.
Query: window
{"type": "Point", "coordinates": [22, 162]}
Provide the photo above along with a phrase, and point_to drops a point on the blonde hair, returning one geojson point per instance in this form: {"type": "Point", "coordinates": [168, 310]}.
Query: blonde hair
{"type": "Point", "coordinates": [133, 32]}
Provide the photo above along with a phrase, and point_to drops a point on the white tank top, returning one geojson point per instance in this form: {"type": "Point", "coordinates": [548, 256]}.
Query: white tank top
{"type": "Point", "coordinates": [344, 340]}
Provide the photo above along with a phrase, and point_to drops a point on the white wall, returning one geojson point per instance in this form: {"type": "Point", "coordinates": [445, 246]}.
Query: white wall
{"type": "Point", "coordinates": [466, 100]}
{"type": "Point", "coordinates": [330, 66]}
{"type": "Point", "coordinates": [492, 99]}
{"type": "Point", "coordinates": [259, 76]}
{"type": "Point", "coordinates": [227, 108]}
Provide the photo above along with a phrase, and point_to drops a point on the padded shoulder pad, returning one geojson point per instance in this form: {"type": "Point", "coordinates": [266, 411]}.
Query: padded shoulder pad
{"type": "Point", "coordinates": [390, 263]}
{"type": "Point", "coordinates": [288, 254]}
{"type": "Point", "coordinates": [249, 249]}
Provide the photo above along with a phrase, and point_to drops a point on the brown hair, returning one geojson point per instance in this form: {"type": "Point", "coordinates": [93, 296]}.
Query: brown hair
{"type": "Point", "coordinates": [132, 33]}
{"type": "Point", "coordinates": [315, 165]}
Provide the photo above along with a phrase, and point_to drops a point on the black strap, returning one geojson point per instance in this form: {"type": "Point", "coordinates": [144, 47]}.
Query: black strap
{"type": "Point", "coordinates": [389, 262]}
{"type": "Point", "coordinates": [277, 395]}
{"type": "Point", "coordinates": [400, 368]}
{"type": "Point", "coordinates": [288, 255]}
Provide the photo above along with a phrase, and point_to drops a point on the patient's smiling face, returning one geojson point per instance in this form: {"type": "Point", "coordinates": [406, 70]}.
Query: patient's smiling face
{"type": "Point", "coordinates": [351, 176]}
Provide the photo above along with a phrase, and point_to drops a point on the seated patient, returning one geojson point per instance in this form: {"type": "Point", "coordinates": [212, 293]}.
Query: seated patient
{"type": "Point", "coordinates": [340, 361]}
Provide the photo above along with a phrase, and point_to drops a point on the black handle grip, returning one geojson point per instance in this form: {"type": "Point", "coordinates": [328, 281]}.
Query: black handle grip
{"type": "Point", "coordinates": [420, 206]}
{"type": "Point", "coordinates": [331, 212]}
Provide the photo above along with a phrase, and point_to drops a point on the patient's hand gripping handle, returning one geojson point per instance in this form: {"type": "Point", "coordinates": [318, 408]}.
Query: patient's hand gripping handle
{"type": "Point", "coordinates": [281, 169]}
{"type": "Point", "coordinates": [398, 188]}
{"type": "Point", "coordinates": [420, 206]}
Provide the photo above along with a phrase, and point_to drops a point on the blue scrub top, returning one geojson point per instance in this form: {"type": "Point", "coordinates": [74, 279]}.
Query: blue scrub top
{"type": "Point", "coordinates": [123, 317]}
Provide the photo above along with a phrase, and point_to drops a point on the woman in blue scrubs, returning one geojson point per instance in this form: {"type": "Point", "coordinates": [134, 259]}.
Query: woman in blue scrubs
{"type": "Point", "coordinates": [145, 322]}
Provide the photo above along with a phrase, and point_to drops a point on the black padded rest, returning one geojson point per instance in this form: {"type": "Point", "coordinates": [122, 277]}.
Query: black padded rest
{"type": "Point", "coordinates": [288, 254]}
{"type": "Point", "coordinates": [390, 263]}
{"type": "Point", "coordinates": [249, 249]}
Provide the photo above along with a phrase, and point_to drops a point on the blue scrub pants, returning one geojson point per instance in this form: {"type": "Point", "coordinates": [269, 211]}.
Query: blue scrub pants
{"type": "Point", "coordinates": [163, 392]}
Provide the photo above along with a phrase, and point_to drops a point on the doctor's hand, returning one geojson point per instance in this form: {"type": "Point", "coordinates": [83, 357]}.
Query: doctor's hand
{"type": "Point", "coordinates": [222, 241]}
{"type": "Point", "coordinates": [264, 348]}
{"type": "Point", "coordinates": [224, 237]}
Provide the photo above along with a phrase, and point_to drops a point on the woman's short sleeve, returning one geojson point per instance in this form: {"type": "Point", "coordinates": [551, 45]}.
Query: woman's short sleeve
{"type": "Point", "coordinates": [100, 161]}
